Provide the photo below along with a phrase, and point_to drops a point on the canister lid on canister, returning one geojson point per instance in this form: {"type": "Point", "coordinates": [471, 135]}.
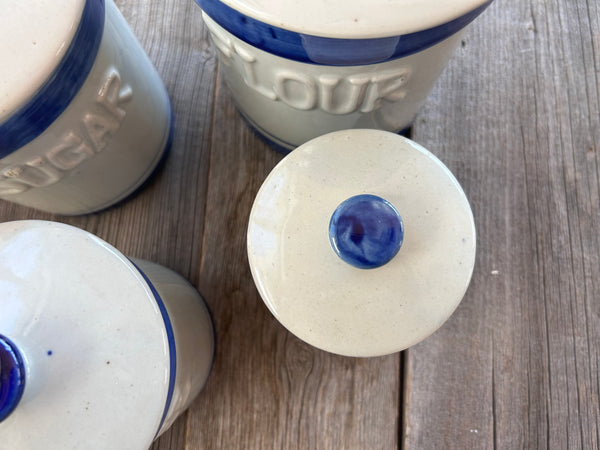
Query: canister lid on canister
{"type": "Point", "coordinates": [354, 19]}
{"type": "Point", "coordinates": [35, 36]}
{"type": "Point", "coordinates": [361, 242]}
{"type": "Point", "coordinates": [83, 327]}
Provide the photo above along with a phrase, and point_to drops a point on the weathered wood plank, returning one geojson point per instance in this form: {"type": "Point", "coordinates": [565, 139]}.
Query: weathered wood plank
{"type": "Point", "coordinates": [516, 117]}
{"type": "Point", "coordinates": [165, 222]}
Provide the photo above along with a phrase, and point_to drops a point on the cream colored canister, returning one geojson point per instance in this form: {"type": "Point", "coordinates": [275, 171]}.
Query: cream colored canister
{"type": "Point", "coordinates": [298, 70]}
{"type": "Point", "coordinates": [84, 116]}
{"type": "Point", "coordinates": [97, 351]}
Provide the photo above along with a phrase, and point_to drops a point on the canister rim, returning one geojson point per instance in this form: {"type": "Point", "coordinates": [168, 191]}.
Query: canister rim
{"type": "Point", "coordinates": [355, 19]}
{"type": "Point", "coordinates": [35, 37]}
{"type": "Point", "coordinates": [322, 50]}
{"type": "Point", "coordinates": [44, 64]}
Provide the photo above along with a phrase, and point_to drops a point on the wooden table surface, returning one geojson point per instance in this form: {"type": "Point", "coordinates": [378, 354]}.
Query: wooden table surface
{"type": "Point", "coordinates": [516, 117]}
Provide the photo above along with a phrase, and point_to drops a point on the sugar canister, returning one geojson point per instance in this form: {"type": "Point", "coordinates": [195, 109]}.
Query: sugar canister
{"type": "Point", "coordinates": [361, 242]}
{"type": "Point", "coordinates": [97, 351]}
{"type": "Point", "coordinates": [84, 116]}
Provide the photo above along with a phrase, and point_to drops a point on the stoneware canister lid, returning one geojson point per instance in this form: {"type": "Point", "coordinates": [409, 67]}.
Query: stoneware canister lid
{"type": "Point", "coordinates": [361, 242]}
{"type": "Point", "coordinates": [33, 45]}
{"type": "Point", "coordinates": [87, 333]}
{"type": "Point", "coordinates": [349, 19]}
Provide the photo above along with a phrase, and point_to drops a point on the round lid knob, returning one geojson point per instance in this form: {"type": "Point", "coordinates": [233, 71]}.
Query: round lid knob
{"type": "Point", "coordinates": [355, 200]}
{"type": "Point", "coordinates": [12, 377]}
{"type": "Point", "coordinates": [366, 231]}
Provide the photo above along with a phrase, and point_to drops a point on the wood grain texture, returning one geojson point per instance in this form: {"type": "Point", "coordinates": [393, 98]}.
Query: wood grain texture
{"type": "Point", "coordinates": [516, 117]}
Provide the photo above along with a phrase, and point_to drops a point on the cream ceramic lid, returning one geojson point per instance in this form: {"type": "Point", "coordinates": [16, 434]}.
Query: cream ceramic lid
{"type": "Point", "coordinates": [332, 304]}
{"type": "Point", "coordinates": [354, 18]}
{"type": "Point", "coordinates": [35, 34]}
{"type": "Point", "coordinates": [92, 336]}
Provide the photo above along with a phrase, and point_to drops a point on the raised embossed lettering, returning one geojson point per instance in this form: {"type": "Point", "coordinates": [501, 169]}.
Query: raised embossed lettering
{"type": "Point", "coordinates": [35, 173]}
{"type": "Point", "coordinates": [70, 153]}
{"type": "Point", "coordinates": [296, 89]}
{"type": "Point", "coordinates": [11, 187]}
{"type": "Point", "coordinates": [248, 61]}
{"type": "Point", "coordinates": [387, 85]}
{"type": "Point", "coordinates": [50, 173]}
{"type": "Point", "coordinates": [99, 122]}
{"type": "Point", "coordinates": [335, 94]}
{"type": "Point", "coordinates": [99, 129]}
{"type": "Point", "coordinates": [111, 95]}
{"type": "Point", "coordinates": [341, 95]}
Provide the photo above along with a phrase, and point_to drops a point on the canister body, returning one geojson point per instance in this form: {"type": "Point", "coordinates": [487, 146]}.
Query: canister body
{"type": "Point", "coordinates": [106, 141]}
{"type": "Point", "coordinates": [290, 102]}
{"type": "Point", "coordinates": [192, 332]}
{"type": "Point", "coordinates": [112, 350]}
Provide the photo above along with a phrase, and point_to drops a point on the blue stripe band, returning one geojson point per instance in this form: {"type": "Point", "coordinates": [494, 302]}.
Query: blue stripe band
{"type": "Point", "coordinates": [172, 348]}
{"type": "Point", "coordinates": [330, 51]}
{"type": "Point", "coordinates": [33, 118]}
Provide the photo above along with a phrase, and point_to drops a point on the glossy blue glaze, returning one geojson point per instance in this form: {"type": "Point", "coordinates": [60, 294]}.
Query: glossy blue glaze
{"type": "Point", "coordinates": [366, 231]}
{"type": "Point", "coordinates": [33, 118]}
{"type": "Point", "coordinates": [336, 52]}
{"type": "Point", "coordinates": [12, 377]}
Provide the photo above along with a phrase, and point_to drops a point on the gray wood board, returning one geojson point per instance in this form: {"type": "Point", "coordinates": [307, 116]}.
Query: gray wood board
{"type": "Point", "coordinates": [516, 117]}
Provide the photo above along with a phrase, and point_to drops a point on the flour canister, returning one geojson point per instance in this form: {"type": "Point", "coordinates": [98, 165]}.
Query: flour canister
{"type": "Point", "coordinates": [361, 242]}
{"type": "Point", "coordinates": [97, 351]}
{"type": "Point", "coordinates": [84, 116]}
{"type": "Point", "coordinates": [300, 69]}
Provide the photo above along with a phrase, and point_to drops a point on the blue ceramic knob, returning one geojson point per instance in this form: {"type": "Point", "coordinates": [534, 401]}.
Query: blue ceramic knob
{"type": "Point", "coordinates": [366, 231]}
{"type": "Point", "coordinates": [12, 377]}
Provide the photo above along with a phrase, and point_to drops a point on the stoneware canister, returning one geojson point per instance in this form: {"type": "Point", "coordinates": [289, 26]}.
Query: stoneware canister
{"type": "Point", "coordinates": [361, 242]}
{"type": "Point", "coordinates": [84, 116]}
{"type": "Point", "coordinates": [97, 351]}
{"type": "Point", "coordinates": [300, 69]}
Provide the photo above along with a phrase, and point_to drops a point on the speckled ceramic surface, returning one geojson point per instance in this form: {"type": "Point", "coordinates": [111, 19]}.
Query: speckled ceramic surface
{"type": "Point", "coordinates": [334, 305]}
{"type": "Point", "coordinates": [111, 351]}
{"type": "Point", "coordinates": [38, 40]}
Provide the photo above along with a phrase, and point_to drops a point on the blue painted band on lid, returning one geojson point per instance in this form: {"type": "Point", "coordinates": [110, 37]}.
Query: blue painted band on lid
{"type": "Point", "coordinates": [12, 377]}
{"type": "Point", "coordinates": [34, 117]}
{"type": "Point", "coordinates": [330, 51]}
{"type": "Point", "coordinates": [366, 231]}
{"type": "Point", "coordinates": [172, 348]}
